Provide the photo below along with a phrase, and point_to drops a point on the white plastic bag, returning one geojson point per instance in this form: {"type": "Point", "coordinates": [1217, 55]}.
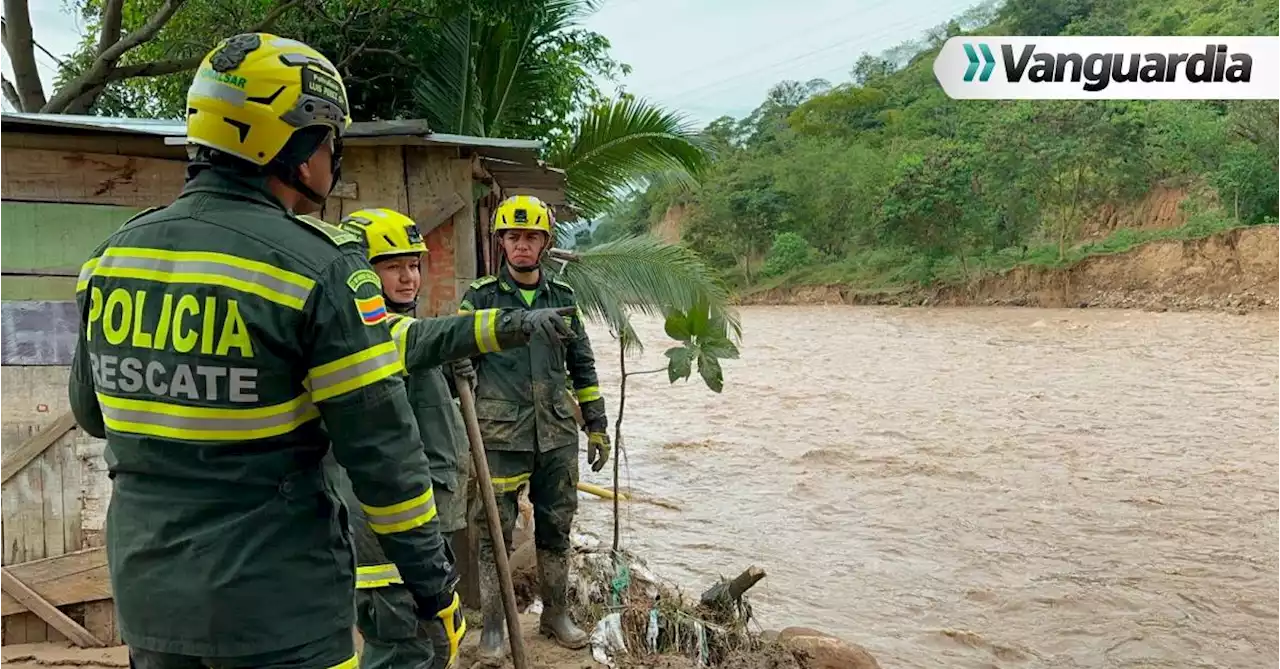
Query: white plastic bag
{"type": "Point", "coordinates": [607, 641]}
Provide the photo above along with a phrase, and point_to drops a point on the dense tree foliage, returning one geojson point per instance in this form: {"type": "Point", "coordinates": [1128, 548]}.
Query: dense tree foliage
{"type": "Point", "coordinates": [390, 52]}
{"type": "Point", "coordinates": [884, 176]}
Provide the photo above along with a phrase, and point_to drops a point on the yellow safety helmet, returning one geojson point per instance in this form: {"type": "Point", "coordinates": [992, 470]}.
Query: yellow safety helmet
{"type": "Point", "coordinates": [522, 212]}
{"type": "Point", "coordinates": [386, 233]}
{"type": "Point", "coordinates": [254, 90]}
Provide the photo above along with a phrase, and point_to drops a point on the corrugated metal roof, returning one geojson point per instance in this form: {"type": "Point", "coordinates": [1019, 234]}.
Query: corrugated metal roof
{"type": "Point", "coordinates": [131, 126]}
{"type": "Point", "coordinates": [415, 130]}
{"type": "Point", "coordinates": [545, 182]}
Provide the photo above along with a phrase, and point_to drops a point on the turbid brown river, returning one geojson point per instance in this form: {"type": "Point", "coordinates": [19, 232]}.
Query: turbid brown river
{"type": "Point", "coordinates": [974, 487]}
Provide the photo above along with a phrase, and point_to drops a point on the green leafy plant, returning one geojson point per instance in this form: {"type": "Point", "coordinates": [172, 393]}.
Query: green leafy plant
{"type": "Point", "coordinates": [705, 341]}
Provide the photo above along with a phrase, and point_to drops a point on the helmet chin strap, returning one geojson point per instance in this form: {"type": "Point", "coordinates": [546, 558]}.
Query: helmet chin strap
{"type": "Point", "coordinates": [291, 175]}
{"type": "Point", "coordinates": [401, 307]}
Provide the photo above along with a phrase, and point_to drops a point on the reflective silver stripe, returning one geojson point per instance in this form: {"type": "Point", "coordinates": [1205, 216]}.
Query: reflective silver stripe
{"type": "Point", "coordinates": [401, 325]}
{"type": "Point", "coordinates": [86, 273]}
{"type": "Point", "coordinates": [509, 483]}
{"type": "Point", "coordinates": [486, 330]}
{"type": "Point", "coordinates": [115, 410]}
{"type": "Point", "coordinates": [400, 333]}
{"type": "Point", "coordinates": [400, 330]}
{"type": "Point", "coordinates": [216, 89]}
{"type": "Point", "coordinates": [377, 575]}
{"type": "Point", "coordinates": [403, 516]}
{"type": "Point", "coordinates": [321, 383]}
{"type": "Point", "coordinates": [206, 267]}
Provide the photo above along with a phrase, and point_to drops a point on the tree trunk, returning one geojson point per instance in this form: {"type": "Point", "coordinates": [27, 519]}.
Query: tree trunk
{"type": "Point", "coordinates": [727, 593]}
{"type": "Point", "coordinates": [22, 55]}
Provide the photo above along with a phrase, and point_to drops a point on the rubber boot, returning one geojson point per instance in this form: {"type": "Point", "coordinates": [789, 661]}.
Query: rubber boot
{"type": "Point", "coordinates": [553, 580]}
{"type": "Point", "coordinates": [493, 647]}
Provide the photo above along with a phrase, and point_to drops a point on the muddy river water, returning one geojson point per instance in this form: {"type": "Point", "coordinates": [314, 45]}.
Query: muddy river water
{"type": "Point", "coordinates": [974, 487]}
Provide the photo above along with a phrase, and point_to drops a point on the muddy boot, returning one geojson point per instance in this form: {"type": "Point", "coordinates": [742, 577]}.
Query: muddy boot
{"type": "Point", "coordinates": [493, 647]}
{"type": "Point", "coordinates": [553, 580]}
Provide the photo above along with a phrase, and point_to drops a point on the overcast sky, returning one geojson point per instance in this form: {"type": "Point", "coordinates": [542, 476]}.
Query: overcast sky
{"type": "Point", "coordinates": [707, 58]}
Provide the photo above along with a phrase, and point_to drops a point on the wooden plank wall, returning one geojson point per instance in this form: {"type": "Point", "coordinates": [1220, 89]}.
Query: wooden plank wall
{"type": "Point", "coordinates": [45, 175]}
{"type": "Point", "coordinates": [417, 181]}
{"type": "Point", "coordinates": [54, 506]}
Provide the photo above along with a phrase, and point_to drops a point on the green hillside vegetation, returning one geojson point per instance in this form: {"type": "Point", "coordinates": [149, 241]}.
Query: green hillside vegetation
{"type": "Point", "coordinates": [884, 181]}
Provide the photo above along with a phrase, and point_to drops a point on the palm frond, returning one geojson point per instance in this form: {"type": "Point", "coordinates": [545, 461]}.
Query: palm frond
{"type": "Point", "coordinates": [501, 65]}
{"type": "Point", "coordinates": [619, 144]}
{"type": "Point", "coordinates": [447, 91]}
{"type": "Point", "coordinates": [508, 76]}
{"type": "Point", "coordinates": [645, 275]}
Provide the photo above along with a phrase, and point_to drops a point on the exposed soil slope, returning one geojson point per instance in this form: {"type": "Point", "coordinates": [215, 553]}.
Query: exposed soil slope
{"type": "Point", "coordinates": [1236, 270]}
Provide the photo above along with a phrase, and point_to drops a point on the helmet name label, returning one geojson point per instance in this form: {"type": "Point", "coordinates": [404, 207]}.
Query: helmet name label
{"type": "Point", "coordinates": [323, 86]}
{"type": "Point", "coordinates": [224, 78]}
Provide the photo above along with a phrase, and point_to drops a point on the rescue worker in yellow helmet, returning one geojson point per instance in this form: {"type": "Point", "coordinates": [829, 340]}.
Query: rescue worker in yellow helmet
{"type": "Point", "coordinates": [384, 608]}
{"type": "Point", "coordinates": [527, 420]}
{"type": "Point", "coordinates": [227, 344]}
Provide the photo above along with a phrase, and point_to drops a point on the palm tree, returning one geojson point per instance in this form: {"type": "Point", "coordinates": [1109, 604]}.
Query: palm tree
{"type": "Point", "coordinates": [482, 81]}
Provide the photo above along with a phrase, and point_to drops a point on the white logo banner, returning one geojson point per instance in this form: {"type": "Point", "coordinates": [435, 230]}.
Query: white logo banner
{"type": "Point", "coordinates": [1110, 68]}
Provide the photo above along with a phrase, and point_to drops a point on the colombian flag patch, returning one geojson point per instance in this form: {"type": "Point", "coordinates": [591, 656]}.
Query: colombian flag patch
{"type": "Point", "coordinates": [373, 310]}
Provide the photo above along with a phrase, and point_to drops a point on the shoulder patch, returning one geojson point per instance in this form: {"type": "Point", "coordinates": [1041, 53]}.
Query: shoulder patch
{"type": "Point", "coordinates": [373, 310]}
{"type": "Point", "coordinates": [483, 281]}
{"type": "Point", "coordinates": [333, 233]}
{"type": "Point", "coordinates": [562, 284]}
{"type": "Point", "coordinates": [362, 276]}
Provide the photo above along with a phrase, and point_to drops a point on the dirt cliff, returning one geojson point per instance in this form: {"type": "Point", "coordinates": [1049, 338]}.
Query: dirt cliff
{"type": "Point", "coordinates": [1236, 270]}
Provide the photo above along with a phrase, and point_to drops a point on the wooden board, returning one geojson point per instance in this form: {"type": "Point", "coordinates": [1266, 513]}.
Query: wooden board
{"type": "Point", "coordinates": [465, 234]}
{"type": "Point", "coordinates": [374, 177]}
{"type": "Point", "coordinates": [439, 183]}
{"type": "Point", "coordinates": [42, 503]}
{"type": "Point", "coordinates": [38, 332]}
{"type": "Point", "coordinates": [56, 236]}
{"type": "Point", "coordinates": [14, 461]}
{"type": "Point", "coordinates": [429, 186]}
{"type": "Point", "coordinates": [40, 175]}
{"type": "Point", "coordinates": [73, 578]}
{"type": "Point", "coordinates": [150, 147]}
{"type": "Point", "coordinates": [15, 588]}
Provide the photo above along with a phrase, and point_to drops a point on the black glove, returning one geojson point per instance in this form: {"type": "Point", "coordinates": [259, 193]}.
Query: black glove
{"type": "Point", "coordinates": [550, 322]}
{"type": "Point", "coordinates": [464, 371]}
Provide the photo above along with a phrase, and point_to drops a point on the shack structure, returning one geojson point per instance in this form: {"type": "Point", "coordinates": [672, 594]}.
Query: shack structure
{"type": "Point", "coordinates": [68, 182]}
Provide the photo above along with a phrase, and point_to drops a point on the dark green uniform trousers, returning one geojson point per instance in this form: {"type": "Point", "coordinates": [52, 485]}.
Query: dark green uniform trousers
{"type": "Point", "coordinates": [335, 651]}
{"type": "Point", "coordinates": [552, 477]}
{"type": "Point", "coordinates": [393, 637]}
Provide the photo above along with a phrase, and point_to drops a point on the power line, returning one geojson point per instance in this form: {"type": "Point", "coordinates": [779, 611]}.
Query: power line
{"type": "Point", "coordinates": [779, 41]}
{"type": "Point", "coordinates": [700, 91]}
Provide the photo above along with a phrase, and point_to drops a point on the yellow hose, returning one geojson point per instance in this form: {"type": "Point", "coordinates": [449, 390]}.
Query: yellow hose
{"type": "Point", "coordinates": [598, 491]}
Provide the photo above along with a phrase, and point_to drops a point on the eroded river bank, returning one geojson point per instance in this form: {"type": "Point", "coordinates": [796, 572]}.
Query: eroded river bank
{"type": "Point", "coordinates": [975, 487]}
